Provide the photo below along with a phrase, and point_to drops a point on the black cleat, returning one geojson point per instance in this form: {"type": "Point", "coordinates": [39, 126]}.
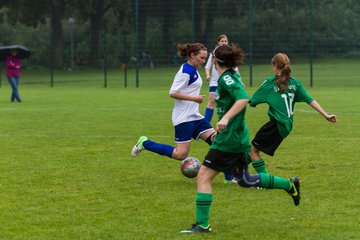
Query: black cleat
{"type": "Point", "coordinates": [197, 229]}
{"type": "Point", "coordinates": [294, 191]}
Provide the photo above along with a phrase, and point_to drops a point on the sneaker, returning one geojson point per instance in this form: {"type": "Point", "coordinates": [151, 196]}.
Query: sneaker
{"type": "Point", "coordinates": [138, 146]}
{"type": "Point", "coordinates": [231, 181]}
{"type": "Point", "coordinates": [294, 192]}
{"type": "Point", "coordinates": [197, 229]}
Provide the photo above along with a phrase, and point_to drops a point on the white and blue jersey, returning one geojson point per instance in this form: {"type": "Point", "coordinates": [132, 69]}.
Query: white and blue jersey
{"type": "Point", "coordinates": [214, 78]}
{"type": "Point", "coordinates": [188, 81]}
{"type": "Point", "coordinates": [214, 73]}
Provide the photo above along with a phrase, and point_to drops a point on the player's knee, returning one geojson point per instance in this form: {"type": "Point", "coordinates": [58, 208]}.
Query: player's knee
{"type": "Point", "coordinates": [254, 154]}
{"type": "Point", "coordinates": [210, 139]}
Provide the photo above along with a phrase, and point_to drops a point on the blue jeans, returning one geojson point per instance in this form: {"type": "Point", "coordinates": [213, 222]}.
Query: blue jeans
{"type": "Point", "coordinates": [14, 82]}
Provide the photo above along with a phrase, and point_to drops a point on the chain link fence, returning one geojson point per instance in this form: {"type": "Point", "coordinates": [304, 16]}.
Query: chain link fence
{"type": "Point", "coordinates": [317, 36]}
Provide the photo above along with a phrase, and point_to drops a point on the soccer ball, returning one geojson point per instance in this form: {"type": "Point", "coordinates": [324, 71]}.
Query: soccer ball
{"type": "Point", "coordinates": [190, 167]}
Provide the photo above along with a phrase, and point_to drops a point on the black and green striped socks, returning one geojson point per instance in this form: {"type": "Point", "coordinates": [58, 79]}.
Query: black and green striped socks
{"type": "Point", "coordinates": [259, 166]}
{"type": "Point", "coordinates": [203, 204]}
{"type": "Point", "coordinates": [273, 182]}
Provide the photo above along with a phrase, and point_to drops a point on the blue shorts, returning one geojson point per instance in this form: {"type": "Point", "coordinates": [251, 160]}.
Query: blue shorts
{"type": "Point", "coordinates": [187, 130]}
{"type": "Point", "coordinates": [212, 89]}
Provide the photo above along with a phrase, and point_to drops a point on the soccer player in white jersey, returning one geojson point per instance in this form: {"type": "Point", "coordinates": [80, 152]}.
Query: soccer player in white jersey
{"type": "Point", "coordinates": [187, 120]}
{"type": "Point", "coordinates": [214, 78]}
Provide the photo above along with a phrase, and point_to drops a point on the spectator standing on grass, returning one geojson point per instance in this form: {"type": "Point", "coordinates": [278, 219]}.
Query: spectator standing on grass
{"type": "Point", "coordinates": [186, 118]}
{"type": "Point", "coordinates": [13, 66]}
{"type": "Point", "coordinates": [231, 144]}
{"type": "Point", "coordinates": [280, 92]}
{"type": "Point", "coordinates": [213, 79]}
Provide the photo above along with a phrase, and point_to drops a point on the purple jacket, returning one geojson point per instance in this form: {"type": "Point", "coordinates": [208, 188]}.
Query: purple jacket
{"type": "Point", "coordinates": [13, 65]}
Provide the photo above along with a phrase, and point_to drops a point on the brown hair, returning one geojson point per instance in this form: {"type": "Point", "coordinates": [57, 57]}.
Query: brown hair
{"type": "Point", "coordinates": [282, 63]}
{"type": "Point", "coordinates": [221, 37]}
{"type": "Point", "coordinates": [185, 49]}
{"type": "Point", "coordinates": [229, 56]}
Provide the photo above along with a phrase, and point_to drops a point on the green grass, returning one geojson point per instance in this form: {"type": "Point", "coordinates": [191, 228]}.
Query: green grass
{"type": "Point", "coordinates": [66, 170]}
{"type": "Point", "coordinates": [326, 73]}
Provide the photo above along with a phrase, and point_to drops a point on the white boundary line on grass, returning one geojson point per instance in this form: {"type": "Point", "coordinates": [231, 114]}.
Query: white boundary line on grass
{"type": "Point", "coordinates": [314, 111]}
{"type": "Point", "coordinates": [167, 137]}
{"type": "Point", "coordinates": [327, 138]}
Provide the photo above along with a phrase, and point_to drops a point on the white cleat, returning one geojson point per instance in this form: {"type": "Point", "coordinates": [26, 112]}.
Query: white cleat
{"type": "Point", "coordinates": [138, 147]}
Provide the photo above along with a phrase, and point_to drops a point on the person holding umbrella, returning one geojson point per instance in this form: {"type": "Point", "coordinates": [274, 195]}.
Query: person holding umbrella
{"type": "Point", "coordinates": [13, 66]}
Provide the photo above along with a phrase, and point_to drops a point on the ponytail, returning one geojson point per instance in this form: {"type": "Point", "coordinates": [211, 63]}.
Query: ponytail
{"type": "Point", "coordinates": [282, 63]}
{"type": "Point", "coordinates": [185, 49]}
{"type": "Point", "coordinates": [283, 78]}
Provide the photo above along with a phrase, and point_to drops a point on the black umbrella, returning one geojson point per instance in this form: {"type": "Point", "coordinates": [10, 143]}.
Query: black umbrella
{"type": "Point", "coordinates": [23, 52]}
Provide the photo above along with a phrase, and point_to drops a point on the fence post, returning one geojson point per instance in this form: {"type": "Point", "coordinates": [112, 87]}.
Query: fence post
{"type": "Point", "coordinates": [192, 20]}
{"type": "Point", "coordinates": [125, 75]}
{"type": "Point", "coordinates": [104, 58]}
{"type": "Point", "coordinates": [51, 59]}
{"type": "Point", "coordinates": [137, 41]}
{"type": "Point", "coordinates": [251, 41]}
{"type": "Point", "coordinates": [311, 41]}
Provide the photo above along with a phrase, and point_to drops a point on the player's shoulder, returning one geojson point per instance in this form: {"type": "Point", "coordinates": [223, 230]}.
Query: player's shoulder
{"type": "Point", "coordinates": [187, 68]}
{"type": "Point", "coordinates": [229, 78]}
{"type": "Point", "coordinates": [295, 81]}
{"type": "Point", "coordinates": [269, 81]}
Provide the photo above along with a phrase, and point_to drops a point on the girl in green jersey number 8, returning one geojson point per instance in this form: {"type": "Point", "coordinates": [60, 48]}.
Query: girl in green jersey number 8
{"type": "Point", "coordinates": [280, 92]}
{"type": "Point", "coordinates": [231, 145]}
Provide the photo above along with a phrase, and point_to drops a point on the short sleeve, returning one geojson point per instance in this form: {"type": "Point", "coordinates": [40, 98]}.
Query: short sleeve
{"type": "Point", "coordinates": [181, 80]}
{"type": "Point", "coordinates": [302, 95]}
{"type": "Point", "coordinates": [258, 96]}
{"type": "Point", "coordinates": [209, 62]}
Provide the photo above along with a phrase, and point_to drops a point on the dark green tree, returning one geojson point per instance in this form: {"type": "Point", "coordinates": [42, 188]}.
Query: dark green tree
{"type": "Point", "coordinates": [31, 13]}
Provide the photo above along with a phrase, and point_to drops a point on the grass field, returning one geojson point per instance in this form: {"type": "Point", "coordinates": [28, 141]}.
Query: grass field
{"type": "Point", "coordinates": [66, 170]}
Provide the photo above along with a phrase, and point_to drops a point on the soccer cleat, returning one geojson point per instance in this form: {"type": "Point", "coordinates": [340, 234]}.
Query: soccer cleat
{"type": "Point", "coordinates": [138, 146]}
{"type": "Point", "coordinates": [197, 229]}
{"type": "Point", "coordinates": [231, 181]}
{"type": "Point", "coordinates": [294, 191]}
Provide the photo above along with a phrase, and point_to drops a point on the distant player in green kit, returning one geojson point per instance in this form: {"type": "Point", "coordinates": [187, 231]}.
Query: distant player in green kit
{"type": "Point", "coordinates": [280, 92]}
{"type": "Point", "coordinates": [231, 145]}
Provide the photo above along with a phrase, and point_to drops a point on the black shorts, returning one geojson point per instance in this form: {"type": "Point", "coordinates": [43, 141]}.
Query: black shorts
{"type": "Point", "coordinates": [268, 138]}
{"type": "Point", "coordinates": [223, 161]}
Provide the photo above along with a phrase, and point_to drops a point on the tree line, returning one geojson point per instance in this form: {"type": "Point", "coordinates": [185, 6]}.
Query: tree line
{"type": "Point", "coordinates": [128, 28]}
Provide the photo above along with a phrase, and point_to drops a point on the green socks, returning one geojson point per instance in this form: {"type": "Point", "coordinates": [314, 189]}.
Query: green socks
{"type": "Point", "coordinates": [259, 166]}
{"type": "Point", "coordinates": [269, 181]}
{"type": "Point", "coordinates": [203, 204]}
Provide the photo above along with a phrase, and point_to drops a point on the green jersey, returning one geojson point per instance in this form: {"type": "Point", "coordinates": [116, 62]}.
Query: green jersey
{"type": "Point", "coordinates": [281, 104]}
{"type": "Point", "coordinates": [235, 137]}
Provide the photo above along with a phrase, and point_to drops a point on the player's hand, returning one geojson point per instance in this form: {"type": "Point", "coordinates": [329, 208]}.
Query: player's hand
{"type": "Point", "coordinates": [331, 118]}
{"type": "Point", "coordinates": [199, 99]}
{"type": "Point", "coordinates": [221, 125]}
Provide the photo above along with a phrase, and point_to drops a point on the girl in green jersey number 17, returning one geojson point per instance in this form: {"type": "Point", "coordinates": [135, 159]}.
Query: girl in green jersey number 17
{"type": "Point", "coordinates": [280, 92]}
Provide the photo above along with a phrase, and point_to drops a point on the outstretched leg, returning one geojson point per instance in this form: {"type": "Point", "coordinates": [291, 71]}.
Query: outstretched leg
{"type": "Point", "coordinates": [180, 152]}
{"type": "Point", "coordinates": [264, 180]}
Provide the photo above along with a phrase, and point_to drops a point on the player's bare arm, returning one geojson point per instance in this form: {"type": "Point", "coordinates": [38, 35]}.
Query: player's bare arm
{"type": "Point", "coordinates": [317, 107]}
{"type": "Point", "coordinates": [181, 96]}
